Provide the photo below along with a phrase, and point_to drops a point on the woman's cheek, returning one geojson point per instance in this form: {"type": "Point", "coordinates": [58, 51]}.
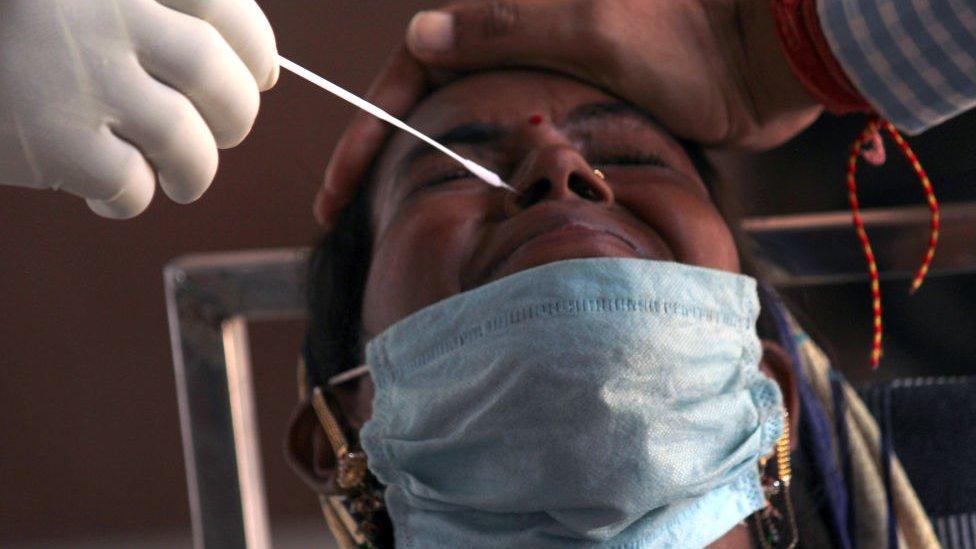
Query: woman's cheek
{"type": "Point", "coordinates": [720, 251]}
{"type": "Point", "coordinates": [687, 221]}
{"type": "Point", "coordinates": [704, 238]}
{"type": "Point", "coordinates": [417, 261]}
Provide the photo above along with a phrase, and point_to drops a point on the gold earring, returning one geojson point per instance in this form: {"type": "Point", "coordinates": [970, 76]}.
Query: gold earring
{"type": "Point", "coordinates": [357, 515]}
{"type": "Point", "coordinates": [599, 174]}
{"type": "Point", "coordinates": [775, 525]}
{"type": "Point", "coordinates": [351, 465]}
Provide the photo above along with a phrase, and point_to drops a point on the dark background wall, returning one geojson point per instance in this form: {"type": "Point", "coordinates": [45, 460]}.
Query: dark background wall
{"type": "Point", "coordinates": [89, 434]}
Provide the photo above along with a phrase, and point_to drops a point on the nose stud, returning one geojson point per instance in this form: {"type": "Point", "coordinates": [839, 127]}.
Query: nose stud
{"type": "Point", "coordinates": [599, 174]}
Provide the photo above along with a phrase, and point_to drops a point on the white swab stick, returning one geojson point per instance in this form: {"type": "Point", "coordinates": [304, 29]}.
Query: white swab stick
{"type": "Point", "coordinates": [479, 171]}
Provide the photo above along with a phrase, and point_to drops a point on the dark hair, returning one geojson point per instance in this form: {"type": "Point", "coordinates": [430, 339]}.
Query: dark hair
{"type": "Point", "coordinates": [336, 281]}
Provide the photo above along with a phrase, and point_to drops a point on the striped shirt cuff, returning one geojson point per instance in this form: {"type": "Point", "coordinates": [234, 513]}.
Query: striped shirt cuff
{"type": "Point", "coordinates": [913, 60]}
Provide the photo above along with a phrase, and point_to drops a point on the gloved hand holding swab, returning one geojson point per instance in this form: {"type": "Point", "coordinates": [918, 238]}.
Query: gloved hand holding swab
{"type": "Point", "coordinates": [479, 171]}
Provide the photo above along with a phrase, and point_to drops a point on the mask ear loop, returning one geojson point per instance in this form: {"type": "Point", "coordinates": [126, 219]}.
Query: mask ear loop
{"type": "Point", "coordinates": [349, 375]}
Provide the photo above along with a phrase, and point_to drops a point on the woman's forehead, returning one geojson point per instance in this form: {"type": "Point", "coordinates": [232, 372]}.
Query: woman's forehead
{"type": "Point", "coordinates": [504, 96]}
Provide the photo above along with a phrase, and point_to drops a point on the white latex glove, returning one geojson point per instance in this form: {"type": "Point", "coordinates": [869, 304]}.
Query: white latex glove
{"type": "Point", "coordinates": [102, 98]}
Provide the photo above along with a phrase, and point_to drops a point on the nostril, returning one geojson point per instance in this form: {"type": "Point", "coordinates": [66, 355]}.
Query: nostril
{"type": "Point", "coordinates": [582, 187]}
{"type": "Point", "coordinates": [534, 193]}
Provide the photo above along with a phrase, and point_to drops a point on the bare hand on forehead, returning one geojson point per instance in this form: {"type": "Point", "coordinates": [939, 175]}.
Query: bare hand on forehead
{"type": "Point", "coordinates": [710, 70]}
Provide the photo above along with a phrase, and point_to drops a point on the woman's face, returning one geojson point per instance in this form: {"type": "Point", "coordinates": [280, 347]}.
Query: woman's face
{"type": "Point", "coordinates": [440, 231]}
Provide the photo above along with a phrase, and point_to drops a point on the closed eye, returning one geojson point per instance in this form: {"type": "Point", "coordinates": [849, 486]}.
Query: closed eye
{"type": "Point", "coordinates": [446, 177]}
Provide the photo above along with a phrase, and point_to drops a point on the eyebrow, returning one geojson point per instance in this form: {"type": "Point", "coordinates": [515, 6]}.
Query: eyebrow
{"type": "Point", "coordinates": [481, 133]}
{"type": "Point", "coordinates": [615, 109]}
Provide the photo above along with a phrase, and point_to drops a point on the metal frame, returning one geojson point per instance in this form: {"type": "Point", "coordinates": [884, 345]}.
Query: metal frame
{"type": "Point", "coordinates": [820, 248]}
{"type": "Point", "coordinates": [210, 298]}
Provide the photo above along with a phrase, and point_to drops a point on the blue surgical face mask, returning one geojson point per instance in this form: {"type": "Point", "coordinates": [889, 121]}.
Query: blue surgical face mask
{"type": "Point", "coordinates": [593, 402]}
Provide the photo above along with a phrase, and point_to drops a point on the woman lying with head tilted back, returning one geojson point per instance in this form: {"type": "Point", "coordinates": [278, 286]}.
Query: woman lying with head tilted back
{"type": "Point", "coordinates": [580, 364]}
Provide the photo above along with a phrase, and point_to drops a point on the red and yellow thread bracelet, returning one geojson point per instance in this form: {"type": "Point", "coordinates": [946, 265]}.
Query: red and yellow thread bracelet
{"type": "Point", "coordinates": [872, 135]}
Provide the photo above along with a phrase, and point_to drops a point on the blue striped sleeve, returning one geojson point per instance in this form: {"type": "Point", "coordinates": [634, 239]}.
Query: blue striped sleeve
{"type": "Point", "coordinates": [913, 60]}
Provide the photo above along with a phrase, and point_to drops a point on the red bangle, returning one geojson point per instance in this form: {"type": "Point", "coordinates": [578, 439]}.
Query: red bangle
{"type": "Point", "coordinates": [810, 57]}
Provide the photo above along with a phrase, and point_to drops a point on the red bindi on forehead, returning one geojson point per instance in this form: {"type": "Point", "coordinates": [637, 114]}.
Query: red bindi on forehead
{"type": "Point", "coordinates": [535, 119]}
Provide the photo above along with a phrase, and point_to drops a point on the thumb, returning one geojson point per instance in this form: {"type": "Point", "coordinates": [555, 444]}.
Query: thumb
{"type": "Point", "coordinates": [485, 33]}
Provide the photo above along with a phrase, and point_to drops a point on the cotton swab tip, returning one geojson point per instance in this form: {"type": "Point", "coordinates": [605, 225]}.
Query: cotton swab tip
{"type": "Point", "coordinates": [479, 171]}
{"type": "Point", "coordinates": [486, 175]}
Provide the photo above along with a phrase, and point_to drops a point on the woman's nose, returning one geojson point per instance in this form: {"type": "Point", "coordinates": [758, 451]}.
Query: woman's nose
{"type": "Point", "coordinates": [556, 173]}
